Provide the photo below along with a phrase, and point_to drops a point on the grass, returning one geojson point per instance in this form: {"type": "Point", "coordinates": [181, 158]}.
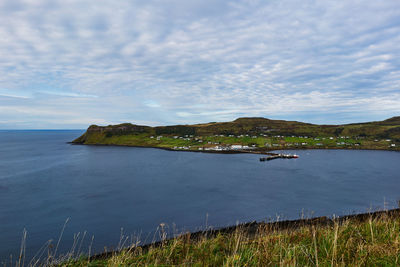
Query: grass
{"type": "Point", "coordinates": [374, 241]}
{"type": "Point", "coordinates": [258, 132]}
{"type": "Point", "coordinates": [261, 142]}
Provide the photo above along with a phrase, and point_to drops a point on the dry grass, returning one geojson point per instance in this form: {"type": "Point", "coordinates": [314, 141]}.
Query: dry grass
{"type": "Point", "coordinates": [375, 242]}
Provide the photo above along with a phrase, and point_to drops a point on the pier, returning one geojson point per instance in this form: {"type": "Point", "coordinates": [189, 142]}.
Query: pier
{"type": "Point", "coordinates": [279, 156]}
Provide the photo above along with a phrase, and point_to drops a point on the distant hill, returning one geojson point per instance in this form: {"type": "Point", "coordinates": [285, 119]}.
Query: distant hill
{"type": "Point", "coordinates": [140, 135]}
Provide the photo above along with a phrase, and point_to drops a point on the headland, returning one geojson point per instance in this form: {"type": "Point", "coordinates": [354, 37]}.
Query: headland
{"type": "Point", "coordinates": [249, 135]}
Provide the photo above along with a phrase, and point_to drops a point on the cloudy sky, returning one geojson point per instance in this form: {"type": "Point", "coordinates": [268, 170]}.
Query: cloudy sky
{"type": "Point", "coordinates": [72, 63]}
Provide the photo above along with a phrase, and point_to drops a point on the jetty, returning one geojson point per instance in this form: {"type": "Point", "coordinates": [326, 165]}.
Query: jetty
{"type": "Point", "coordinates": [279, 156]}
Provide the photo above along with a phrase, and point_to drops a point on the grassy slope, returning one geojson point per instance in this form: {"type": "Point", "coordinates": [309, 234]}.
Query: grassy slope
{"type": "Point", "coordinates": [261, 132]}
{"type": "Point", "coordinates": [372, 242]}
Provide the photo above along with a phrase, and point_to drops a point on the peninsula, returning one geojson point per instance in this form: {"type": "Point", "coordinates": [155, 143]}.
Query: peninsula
{"type": "Point", "coordinates": [249, 135]}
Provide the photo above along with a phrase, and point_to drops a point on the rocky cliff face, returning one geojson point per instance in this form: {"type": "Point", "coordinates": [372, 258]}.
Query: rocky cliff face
{"type": "Point", "coordinates": [111, 130]}
{"type": "Point", "coordinates": [120, 128]}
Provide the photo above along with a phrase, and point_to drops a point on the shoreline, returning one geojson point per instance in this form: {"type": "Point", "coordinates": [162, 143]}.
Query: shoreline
{"type": "Point", "coordinates": [255, 151]}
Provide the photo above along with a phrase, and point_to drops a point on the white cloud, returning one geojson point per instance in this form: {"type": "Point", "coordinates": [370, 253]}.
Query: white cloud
{"type": "Point", "coordinates": [193, 61]}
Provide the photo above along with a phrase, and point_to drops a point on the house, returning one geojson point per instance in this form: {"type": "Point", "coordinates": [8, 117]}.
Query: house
{"type": "Point", "coordinates": [236, 146]}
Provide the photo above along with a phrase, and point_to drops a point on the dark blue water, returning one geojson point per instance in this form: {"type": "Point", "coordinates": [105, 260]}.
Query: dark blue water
{"type": "Point", "coordinates": [44, 181]}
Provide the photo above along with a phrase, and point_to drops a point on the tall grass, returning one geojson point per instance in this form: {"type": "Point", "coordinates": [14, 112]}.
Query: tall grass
{"type": "Point", "coordinates": [374, 242]}
{"type": "Point", "coordinates": [48, 254]}
{"type": "Point", "coordinates": [368, 240]}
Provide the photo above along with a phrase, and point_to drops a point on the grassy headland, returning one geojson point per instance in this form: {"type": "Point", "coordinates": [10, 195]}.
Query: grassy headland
{"type": "Point", "coordinates": [358, 240]}
{"type": "Point", "coordinates": [249, 134]}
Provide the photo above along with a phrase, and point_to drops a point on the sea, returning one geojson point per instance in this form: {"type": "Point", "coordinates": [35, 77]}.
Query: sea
{"type": "Point", "coordinates": [56, 197]}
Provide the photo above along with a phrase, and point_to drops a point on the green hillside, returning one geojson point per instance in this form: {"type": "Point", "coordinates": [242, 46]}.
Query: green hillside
{"type": "Point", "coordinates": [361, 240]}
{"type": "Point", "coordinates": [250, 134]}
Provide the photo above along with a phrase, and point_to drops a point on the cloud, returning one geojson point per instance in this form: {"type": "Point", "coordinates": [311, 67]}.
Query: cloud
{"type": "Point", "coordinates": [175, 61]}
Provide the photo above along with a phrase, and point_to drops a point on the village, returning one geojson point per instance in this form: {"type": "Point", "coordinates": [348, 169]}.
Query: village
{"type": "Point", "coordinates": [246, 142]}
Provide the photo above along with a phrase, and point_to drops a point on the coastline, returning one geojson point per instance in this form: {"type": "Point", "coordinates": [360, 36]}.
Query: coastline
{"type": "Point", "coordinates": [255, 151]}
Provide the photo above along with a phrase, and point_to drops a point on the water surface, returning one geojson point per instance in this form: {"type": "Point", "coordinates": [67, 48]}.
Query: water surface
{"type": "Point", "coordinates": [44, 181]}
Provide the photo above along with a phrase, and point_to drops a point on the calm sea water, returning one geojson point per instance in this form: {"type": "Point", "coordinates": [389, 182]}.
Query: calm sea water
{"type": "Point", "coordinates": [44, 181]}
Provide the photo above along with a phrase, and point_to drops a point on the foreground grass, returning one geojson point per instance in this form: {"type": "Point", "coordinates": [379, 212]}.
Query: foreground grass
{"type": "Point", "coordinates": [374, 242]}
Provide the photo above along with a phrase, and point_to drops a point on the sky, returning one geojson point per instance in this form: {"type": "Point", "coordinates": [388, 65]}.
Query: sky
{"type": "Point", "coordinates": [67, 64]}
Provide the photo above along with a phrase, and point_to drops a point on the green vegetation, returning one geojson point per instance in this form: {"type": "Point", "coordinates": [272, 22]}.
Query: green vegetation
{"type": "Point", "coordinates": [251, 133]}
{"type": "Point", "coordinates": [373, 241]}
